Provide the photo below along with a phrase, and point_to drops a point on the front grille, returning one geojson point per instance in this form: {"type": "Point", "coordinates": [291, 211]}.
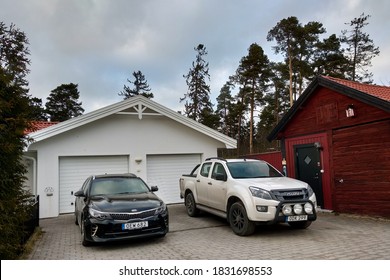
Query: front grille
{"type": "Point", "coordinates": [130, 216]}
{"type": "Point", "coordinates": [290, 195]}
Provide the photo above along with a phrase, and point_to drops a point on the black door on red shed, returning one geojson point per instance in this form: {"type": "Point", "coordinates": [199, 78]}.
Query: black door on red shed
{"type": "Point", "coordinates": [308, 168]}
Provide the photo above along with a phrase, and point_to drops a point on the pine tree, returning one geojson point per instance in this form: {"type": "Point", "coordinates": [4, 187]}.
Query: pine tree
{"type": "Point", "coordinates": [224, 103]}
{"type": "Point", "coordinates": [297, 43]}
{"type": "Point", "coordinates": [198, 95]}
{"type": "Point", "coordinates": [141, 87]}
{"type": "Point", "coordinates": [360, 50]}
{"type": "Point", "coordinates": [253, 74]}
{"type": "Point", "coordinates": [62, 103]}
{"type": "Point", "coordinates": [38, 112]}
{"type": "Point", "coordinates": [330, 59]}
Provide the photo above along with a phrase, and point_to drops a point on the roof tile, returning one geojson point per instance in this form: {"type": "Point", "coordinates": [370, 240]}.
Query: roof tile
{"type": "Point", "coordinates": [38, 125]}
{"type": "Point", "coordinates": [382, 92]}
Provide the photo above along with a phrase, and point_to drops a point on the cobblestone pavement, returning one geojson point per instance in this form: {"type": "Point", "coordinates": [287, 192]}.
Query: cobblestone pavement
{"type": "Point", "coordinates": [331, 237]}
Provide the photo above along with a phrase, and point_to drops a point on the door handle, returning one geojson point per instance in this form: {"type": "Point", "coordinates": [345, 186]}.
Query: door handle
{"type": "Point", "coordinates": [210, 183]}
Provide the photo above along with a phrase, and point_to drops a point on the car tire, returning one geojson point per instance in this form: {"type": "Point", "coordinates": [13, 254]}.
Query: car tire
{"type": "Point", "coordinates": [190, 204]}
{"type": "Point", "coordinates": [300, 225]}
{"type": "Point", "coordinates": [238, 220]}
{"type": "Point", "coordinates": [84, 240]}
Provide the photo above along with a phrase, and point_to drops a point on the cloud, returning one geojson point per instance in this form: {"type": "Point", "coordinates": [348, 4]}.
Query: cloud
{"type": "Point", "coordinates": [99, 43]}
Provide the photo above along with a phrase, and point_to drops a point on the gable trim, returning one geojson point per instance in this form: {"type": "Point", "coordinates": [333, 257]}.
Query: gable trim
{"type": "Point", "coordinates": [140, 104]}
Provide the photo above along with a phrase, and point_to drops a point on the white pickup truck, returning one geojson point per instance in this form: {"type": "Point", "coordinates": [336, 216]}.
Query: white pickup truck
{"type": "Point", "coordinates": [247, 192]}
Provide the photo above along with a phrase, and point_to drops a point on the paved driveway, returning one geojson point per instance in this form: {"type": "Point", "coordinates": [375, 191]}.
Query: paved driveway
{"type": "Point", "coordinates": [331, 237]}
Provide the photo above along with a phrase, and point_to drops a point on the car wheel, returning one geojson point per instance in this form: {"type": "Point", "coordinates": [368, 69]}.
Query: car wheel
{"type": "Point", "coordinates": [84, 241]}
{"type": "Point", "coordinates": [300, 225]}
{"type": "Point", "coordinates": [238, 220]}
{"type": "Point", "coordinates": [190, 204]}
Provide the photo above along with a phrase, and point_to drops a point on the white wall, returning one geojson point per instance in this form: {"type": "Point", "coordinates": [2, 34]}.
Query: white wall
{"type": "Point", "coordinates": [115, 135]}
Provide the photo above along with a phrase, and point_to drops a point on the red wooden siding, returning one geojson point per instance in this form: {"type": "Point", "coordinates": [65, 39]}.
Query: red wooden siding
{"type": "Point", "coordinates": [274, 158]}
{"type": "Point", "coordinates": [361, 160]}
{"type": "Point", "coordinates": [325, 110]}
{"type": "Point", "coordinates": [355, 150]}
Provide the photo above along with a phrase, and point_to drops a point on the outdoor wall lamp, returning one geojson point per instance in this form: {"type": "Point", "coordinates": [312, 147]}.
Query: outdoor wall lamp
{"type": "Point", "coordinates": [350, 112]}
{"type": "Point", "coordinates": [138, 160]}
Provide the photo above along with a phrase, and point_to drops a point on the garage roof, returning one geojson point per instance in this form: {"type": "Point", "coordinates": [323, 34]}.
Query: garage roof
{"type": "Point", "coordinates": [374, 95]}
{"type": "Point", "coordinates": [138, 105]}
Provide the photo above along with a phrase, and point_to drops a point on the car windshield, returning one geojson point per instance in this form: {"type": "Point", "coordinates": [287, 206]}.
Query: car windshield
{"type": "Point", "coordinates": [252, 169]}
{"type": "Point", "coordinates": [112, 186]}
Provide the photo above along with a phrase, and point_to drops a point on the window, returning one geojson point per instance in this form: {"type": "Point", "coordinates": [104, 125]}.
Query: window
{"type": "Point", "coordinates": [252, 169]}
{"type": "Point", "coordinates": [218, 170]}
{"type": "Point", "coordinates": [205, 169]}
{"type": "Point", "coordinates": [85, 185]}
{"type": "Point", "coordinates": [111, 186]}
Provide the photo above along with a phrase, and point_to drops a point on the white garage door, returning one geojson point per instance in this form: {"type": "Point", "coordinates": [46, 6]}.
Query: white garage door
{"type": "Point", "coordinates": [75, 170]}
{"type": "Point", "coordinates": [164, 171]}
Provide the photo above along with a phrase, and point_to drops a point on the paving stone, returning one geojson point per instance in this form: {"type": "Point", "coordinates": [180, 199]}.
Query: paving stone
{"type": "Point", "coordinates": [331, 237]}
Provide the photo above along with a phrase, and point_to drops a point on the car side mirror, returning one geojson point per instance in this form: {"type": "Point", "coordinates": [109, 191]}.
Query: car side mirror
{"type": "Point", "coordinates": [79, 193]}
{"type": "Point", "coordinates": [221, 177]}
{"type": "Point", "coordinates": [154, 188]}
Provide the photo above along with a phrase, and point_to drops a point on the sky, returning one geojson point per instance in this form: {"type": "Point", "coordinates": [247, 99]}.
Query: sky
{"type": "Point", "coordinates": [98, 44]}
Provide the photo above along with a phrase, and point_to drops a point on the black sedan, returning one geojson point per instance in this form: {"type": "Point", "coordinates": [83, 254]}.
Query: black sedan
{"type": "Point", "coordinates": [119, 207]}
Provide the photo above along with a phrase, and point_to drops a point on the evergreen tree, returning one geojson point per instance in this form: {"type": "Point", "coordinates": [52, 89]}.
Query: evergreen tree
{"type": "Point", "coordinates": [276, 100]}
{"type": "Point", "coordinates": [253, 74]}
{"type": "Point", "coordinates": [198, 94]}
{"type": "Point", "coordinates": [329, 58]}
{"type": "Point", "coordinates": [360, 50]}
{"type": "Point", "coordinates": [141, 87]}
{"type": "Point", "coordinates": [62, 103]}
{"type": "Point", "coordinates": [224, 104]}
{"type": "Point", "coordinates": [38, 112]}
{"type": "Point", "coordinates": [14, 112]}
{"type": "Point", "coordinates": [297, 43]}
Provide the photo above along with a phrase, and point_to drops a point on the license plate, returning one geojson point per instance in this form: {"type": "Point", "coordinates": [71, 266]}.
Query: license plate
{"type": "Point", "coordinates": [297, 218]}
{"type": "Point", "coordinates": [136, 225]}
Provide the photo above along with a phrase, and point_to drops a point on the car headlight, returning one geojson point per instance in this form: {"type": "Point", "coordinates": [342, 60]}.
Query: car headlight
{"type": "Point", "coordinates": [99, 215]}
{"type": "Point", "coordinates": [258, 192]}
{"type": "Point", "coordinates": [161, 209]}
{"type": "Point", "coordinates": [310, 191]}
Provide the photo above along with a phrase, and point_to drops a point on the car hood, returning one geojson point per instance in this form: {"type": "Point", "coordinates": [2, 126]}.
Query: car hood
{"type": "Point", "coordinates": [276, 183]}
{"type": "Point", "coordinates": [125, 202]}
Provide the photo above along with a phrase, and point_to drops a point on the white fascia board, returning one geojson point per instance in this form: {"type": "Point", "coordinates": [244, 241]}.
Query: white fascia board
{"type": "Point", "coordinates": [123, 105]}
{"type": "Point", "coordinates": [80, 120]}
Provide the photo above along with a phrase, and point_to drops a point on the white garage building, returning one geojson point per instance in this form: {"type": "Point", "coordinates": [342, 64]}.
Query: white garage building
{"type": "Point", "coordinates": [136, 135]}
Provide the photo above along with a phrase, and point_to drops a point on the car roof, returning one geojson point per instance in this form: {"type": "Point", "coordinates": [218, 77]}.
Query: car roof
{"type": "Point", "coordinates": [243, 160]}
{"type": "Point", "coordinates": [234, 159]}
{"type": "Point", "coordinates": [123, 175]}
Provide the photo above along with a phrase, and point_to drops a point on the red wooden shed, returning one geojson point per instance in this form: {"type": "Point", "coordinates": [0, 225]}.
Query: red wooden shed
{"type": "Point", "coordinates": [336, 137]}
